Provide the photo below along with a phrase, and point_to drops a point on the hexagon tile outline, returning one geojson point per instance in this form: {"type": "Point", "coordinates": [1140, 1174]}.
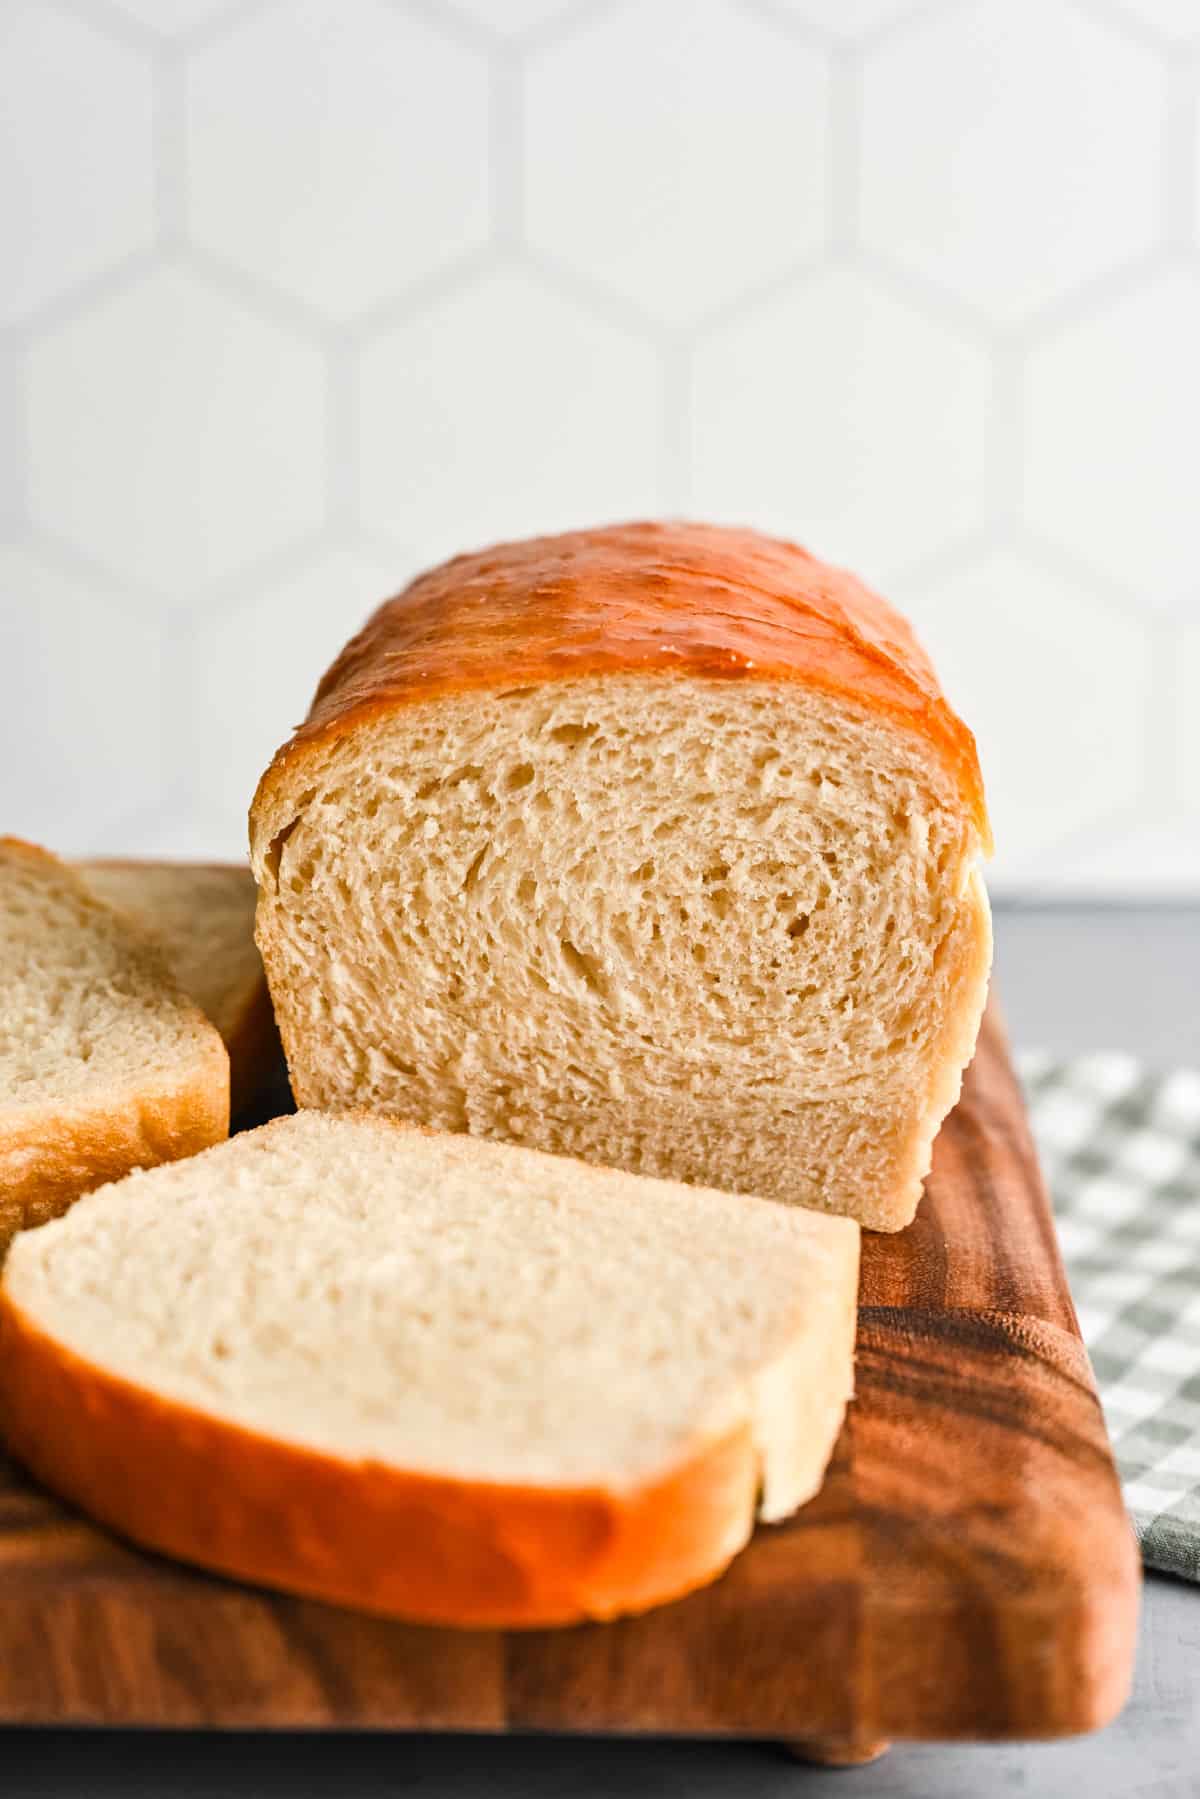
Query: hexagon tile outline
{"type": "Point", "coordinates": [877, 174]}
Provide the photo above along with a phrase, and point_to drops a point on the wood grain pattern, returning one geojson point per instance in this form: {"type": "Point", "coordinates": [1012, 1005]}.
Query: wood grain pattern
{"type": "Point", "coordinates": [968, 1569]}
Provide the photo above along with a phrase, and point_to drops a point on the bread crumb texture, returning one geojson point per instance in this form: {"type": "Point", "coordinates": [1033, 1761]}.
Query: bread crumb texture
{"type": "Point", "coordinates": [724, 932]}
{"type": "Point", "coordinates": [105, 1065]}
{"type": "Point", "coordinates": [389, 1295]}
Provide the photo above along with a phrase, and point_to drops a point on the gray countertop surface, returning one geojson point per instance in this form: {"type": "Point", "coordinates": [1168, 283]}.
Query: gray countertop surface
{"type": "Point", "coordinates": [1071, 979]}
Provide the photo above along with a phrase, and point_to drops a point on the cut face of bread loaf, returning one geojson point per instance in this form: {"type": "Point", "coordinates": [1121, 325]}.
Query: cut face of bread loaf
{"type": "Point", "coordinates": [202, 914]}
{"type": "Point", "coordinates": [656, 846]}
{"type": "Point", "coordinates": [105, 1065]}
{"type": "Point", "coordinates": [455, 1381]}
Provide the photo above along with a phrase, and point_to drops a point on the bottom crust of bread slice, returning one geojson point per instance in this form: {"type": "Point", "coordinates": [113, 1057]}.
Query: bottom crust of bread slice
{"type": "Point", "coordinates": [202, 914]}
{"type": "Point", "coordinates": [429, 1376]}
{"type": "Point", "coordinates": [105, 1064]}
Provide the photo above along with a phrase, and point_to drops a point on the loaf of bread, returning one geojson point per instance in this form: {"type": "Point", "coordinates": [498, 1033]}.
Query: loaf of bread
{"type": "Point", "coordinates": [453, 1381]}
{"type": "Point", "coordinates": [105, 1065]}
{"type": "Point", "coordinates": [656, 845]}
{"type": "Point", "coordinates": [202, 914]}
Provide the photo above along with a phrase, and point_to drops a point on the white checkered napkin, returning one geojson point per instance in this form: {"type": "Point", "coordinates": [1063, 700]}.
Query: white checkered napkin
{"type": "Point", "coordinates": [1121, 1153]}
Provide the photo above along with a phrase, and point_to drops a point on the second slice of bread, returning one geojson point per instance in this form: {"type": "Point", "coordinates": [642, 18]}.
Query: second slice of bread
{"type": "Point", "coordinates": [202, 914]}
{"type": "Point", "coordinates": [105, 1065]}
{"type": "Point", "coordinates": [446, 1379]}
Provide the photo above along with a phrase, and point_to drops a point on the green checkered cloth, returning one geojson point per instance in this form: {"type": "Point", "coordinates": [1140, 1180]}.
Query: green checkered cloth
{"type": "Point", "coordinates": [1121, 1153]}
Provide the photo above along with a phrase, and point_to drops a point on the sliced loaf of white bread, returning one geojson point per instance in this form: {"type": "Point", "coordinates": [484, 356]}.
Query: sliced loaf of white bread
{"type": "Point", "coordinates": [202, 914]}
{"type": "Point", "coordinates": [439, 1378]}
{"type": "Point", "coordinates": [655, 845]}
{"type": "Point", "coordinates": [105, 1064]}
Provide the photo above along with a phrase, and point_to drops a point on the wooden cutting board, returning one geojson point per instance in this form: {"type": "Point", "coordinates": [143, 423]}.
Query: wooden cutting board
{"type": "Point", "coordinates": [967, 1571]}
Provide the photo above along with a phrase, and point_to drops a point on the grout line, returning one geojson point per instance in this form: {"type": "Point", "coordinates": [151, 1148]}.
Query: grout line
{"type": "Point", "coordinates": [1167, 695]}
{"type": "Point", "coordinates": [1181, 153]}
{"type": "Point", "coordinates": [110, 22]}
{"type": "Point", "coordinates": [506, 148]}
{"type": "Point", "coordinates": [1123, 20]}
{"type": "Point", "coordinates": [83, 296]}
{"type": "Point", "coordinates": [675, 478]}
{"type": "Point", "coordinates": [569, 23]}
{"type": "Point", "coordinates": [1028, 541]}
{"type": "Point", "coordinates": [591, 296]}
{"type": "Point", "coordinates": [844, 137]}
{"type": "Point", "coordinates": [940, 305]}
{"type": "Point", "coordinates": [1004, 440]}
{"type": "Point", "coordinates": [262, 298]}
{"type": "Point", "coordinates": [14, 444]}
{"type": "Point", "coordinates": [749, 300]}
{"type": "Point", "coordinates": [222, 22]}
{"type": "Point", "coordinates": [903, 20]}
{"type": "Point", "coordinates": [1087, 298]}
{"type": "Point", "coordinates": [342, 439]}
{"type": "Point", "coordinates": [453, 26]}
{"type": "Point", "coordinates": [128, 594]}
{"type": "Point", "coordinates": [950, 558]}
{"type": "Point", "coordinates": [777, 16]}
{"type": "Point", "coordinates": [169, 147]}
{"type": "Point", "coordinates": [451, 278]}
{"type": "Point", "coordinates": [222, 595]}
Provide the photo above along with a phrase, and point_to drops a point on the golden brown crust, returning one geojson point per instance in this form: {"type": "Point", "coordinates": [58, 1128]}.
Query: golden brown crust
{"type": "Point", "coordinates": [49, 1160]}
{"type": "Point", "coordinates": [666, 598]}
{"type": "Point", "coordinates": [420, 1546]}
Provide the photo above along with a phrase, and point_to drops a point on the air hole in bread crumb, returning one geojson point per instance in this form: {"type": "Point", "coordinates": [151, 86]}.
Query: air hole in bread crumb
{"type": "Point", "coordinates": [798, 925]}
{"type": "Point", "coordinates": [527, 890]}
{"type": "Point", "coordinates": [573, 734]}
{"type": "Point", "coordinates": [519, 777]}
{"type": "Point", "coordinates": [716, 871]}
{"type": "Point", "coordinates": [584, 967]}
{"type": "Point", "coordinates": [275, 850]}
{"type": "Point", "coordinates": [470, 771]}
{"type": "Point", "coordinates": [472, 875]}
{"type": "Point", "coordinates": [645, 872]}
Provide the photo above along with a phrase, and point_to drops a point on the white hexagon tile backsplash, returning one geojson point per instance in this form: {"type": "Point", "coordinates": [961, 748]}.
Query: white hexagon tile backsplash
{"type": "Point", "coordinates": [299, 295]}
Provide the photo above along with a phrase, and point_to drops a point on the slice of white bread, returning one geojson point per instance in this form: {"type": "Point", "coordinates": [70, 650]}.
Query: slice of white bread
{"type": "Point", "coordinates": [105, 1064]}
{"type": "Point", "coordinates": [422, 1375]}
{"type": "Point", "coordinates": [202, 914]}
{"type": "Point", "coordinates": [655, 845]}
